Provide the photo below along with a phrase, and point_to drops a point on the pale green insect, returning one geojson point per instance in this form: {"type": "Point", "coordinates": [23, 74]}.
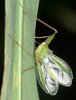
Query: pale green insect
{"type": "Point", "coordinates": [51, 70]}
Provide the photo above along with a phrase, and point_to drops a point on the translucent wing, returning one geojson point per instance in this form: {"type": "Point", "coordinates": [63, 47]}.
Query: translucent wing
{"type": "Point", "coordinates": [46, 81]}
{"type": "Point", "coordinates": [59, 69]}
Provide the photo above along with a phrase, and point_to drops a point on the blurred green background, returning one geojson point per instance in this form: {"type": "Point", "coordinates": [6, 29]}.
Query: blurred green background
{"type": "Point", "coordinates": [60, 14]}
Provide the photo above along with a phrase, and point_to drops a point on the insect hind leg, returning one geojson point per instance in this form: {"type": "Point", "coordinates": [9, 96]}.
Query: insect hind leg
{"type": "Point", "coordinates": [28, 69]}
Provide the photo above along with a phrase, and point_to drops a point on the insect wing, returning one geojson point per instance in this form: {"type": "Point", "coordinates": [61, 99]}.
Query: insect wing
{"type": "Point", "coordinates": [59, 69]}
{"type": "Point", "coordinates": [48, 84]}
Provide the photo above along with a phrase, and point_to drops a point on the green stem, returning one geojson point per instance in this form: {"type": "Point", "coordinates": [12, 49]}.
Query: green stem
{"type": "Point", "coordinates": [20, 26]}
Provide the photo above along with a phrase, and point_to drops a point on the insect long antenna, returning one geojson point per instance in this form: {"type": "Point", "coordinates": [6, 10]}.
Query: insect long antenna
{"type": "Point", "coordinates": [23, 48]}
{"type": "Point", "coordinates": [39, 20]}
{"type": "Point", "coordinates": [40, 37]}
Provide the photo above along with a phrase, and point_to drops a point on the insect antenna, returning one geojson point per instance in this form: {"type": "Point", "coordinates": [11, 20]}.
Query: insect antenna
{"type": "Point", "coordinates": [39, 20]}
{"type": "Point", "coordinates": [40, 37]}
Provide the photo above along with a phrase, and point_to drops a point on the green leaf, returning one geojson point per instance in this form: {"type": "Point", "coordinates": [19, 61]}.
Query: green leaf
{"type": "Point", "coordinates": [20, 26]}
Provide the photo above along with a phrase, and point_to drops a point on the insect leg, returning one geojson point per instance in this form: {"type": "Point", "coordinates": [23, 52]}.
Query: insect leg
{"type": "Point", "coordinates": [28, 69]}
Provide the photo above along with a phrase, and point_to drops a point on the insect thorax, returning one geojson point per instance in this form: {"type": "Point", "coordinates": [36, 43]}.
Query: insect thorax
{"type": "Point", "coordinates": [41, 51]}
